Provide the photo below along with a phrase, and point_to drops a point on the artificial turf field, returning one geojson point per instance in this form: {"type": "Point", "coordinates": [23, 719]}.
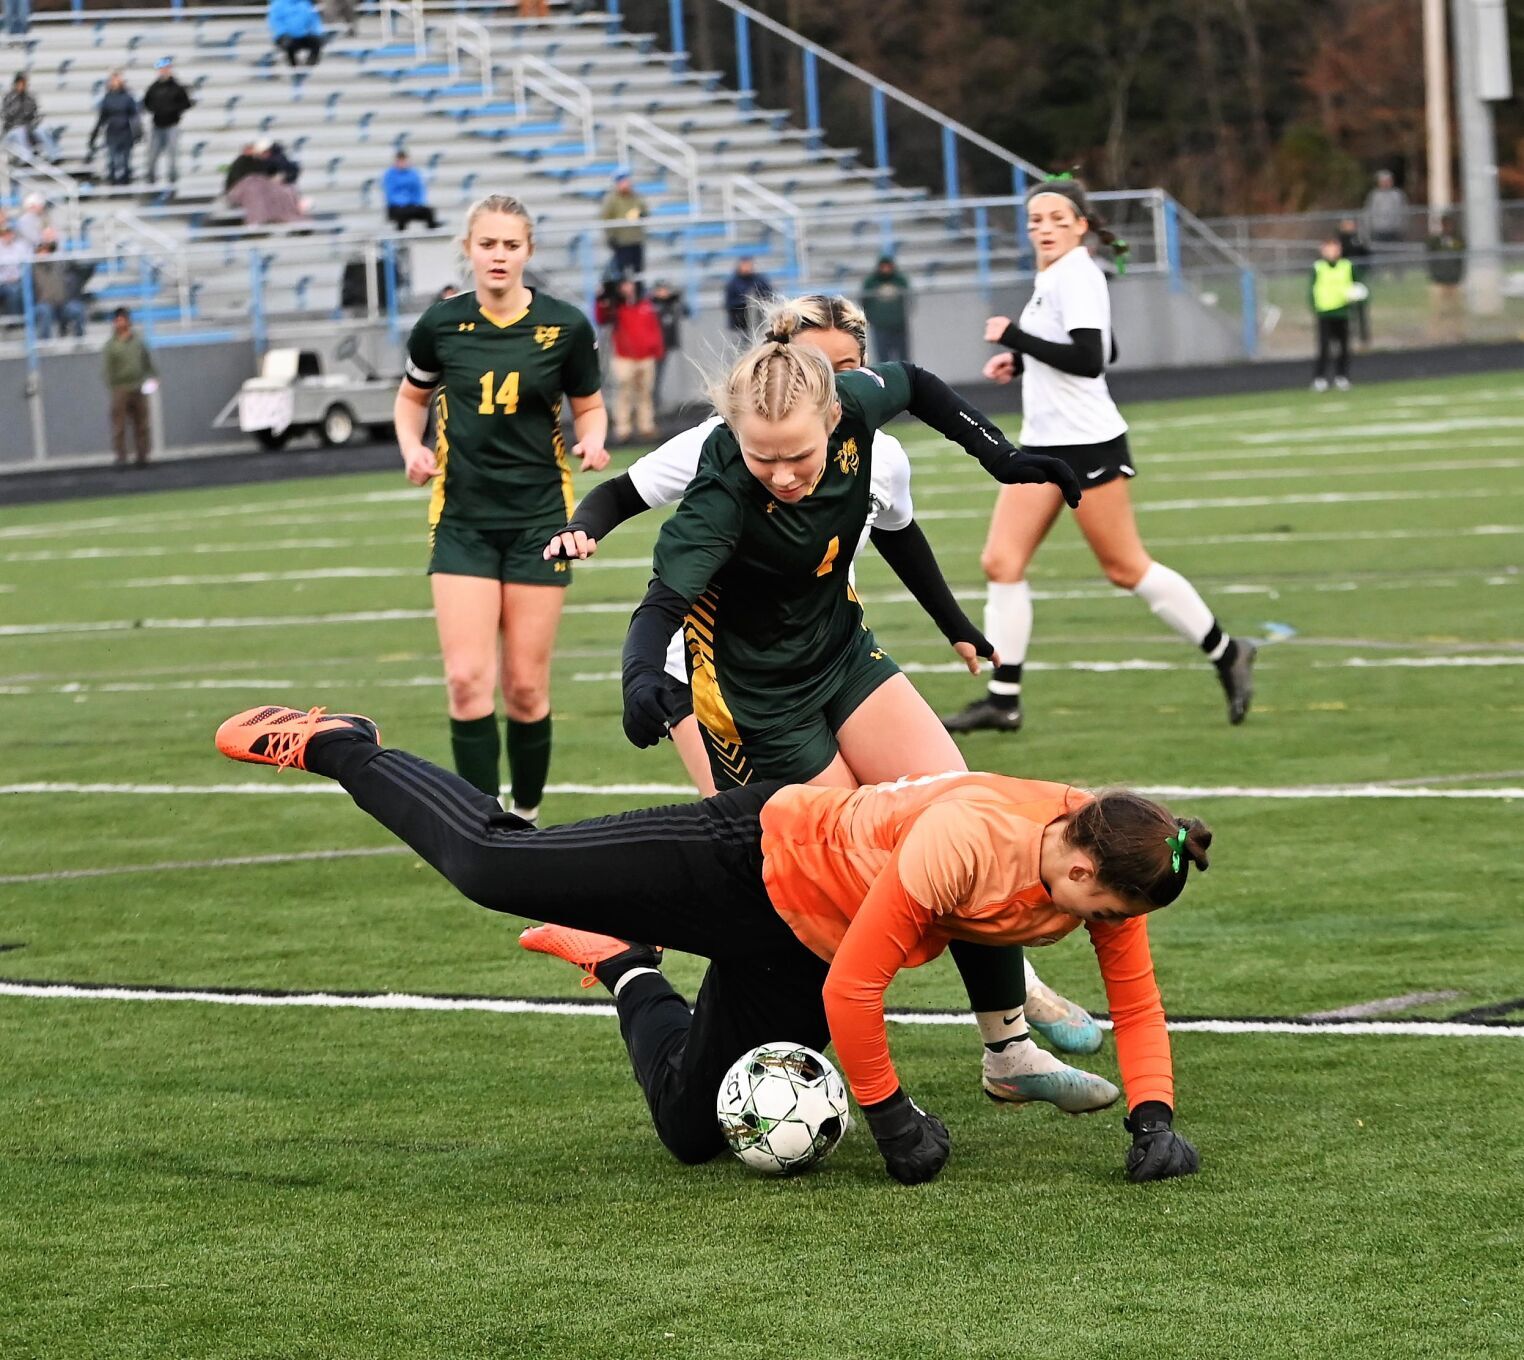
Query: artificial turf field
{"type": "Point", "coordinates": [182, 1178]}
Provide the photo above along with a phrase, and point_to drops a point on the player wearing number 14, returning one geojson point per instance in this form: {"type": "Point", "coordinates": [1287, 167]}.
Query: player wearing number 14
{"type": "Point", "coordinates": [495, 363]}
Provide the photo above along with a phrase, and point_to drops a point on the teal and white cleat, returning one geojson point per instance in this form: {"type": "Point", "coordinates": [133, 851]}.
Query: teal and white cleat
{"type": "Point", "coordinates": [1065, 1024]}
{"type": "Point", "coordinates": [1070, 1089]}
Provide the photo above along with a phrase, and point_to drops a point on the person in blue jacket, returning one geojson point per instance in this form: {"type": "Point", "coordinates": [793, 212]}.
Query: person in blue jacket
{"type": "Point", "coordinates": [406, 199]}
{"type": "Point", "coordinates": [296, 27]}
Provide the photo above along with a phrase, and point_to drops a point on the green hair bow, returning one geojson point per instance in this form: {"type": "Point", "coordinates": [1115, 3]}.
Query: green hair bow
{"type": "Point", "coordinates": [1176, 845]}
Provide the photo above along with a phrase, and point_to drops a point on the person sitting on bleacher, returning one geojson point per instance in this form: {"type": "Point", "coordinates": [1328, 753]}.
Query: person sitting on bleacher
{"type": "Point", "coordinates": [14, 254]}
{"type": "Point", "coordinates": [406, 199]}
{"type": "Point", "coordinates": [266, 200]}
{"type": "Point", "coordinates": [21, 121]}
{"type": "Point", "coordinates": [32, 224]}
{"type": "Point", "coordinates": [296, 27]}
{"type": "Point", "coordinates": [59, 290]}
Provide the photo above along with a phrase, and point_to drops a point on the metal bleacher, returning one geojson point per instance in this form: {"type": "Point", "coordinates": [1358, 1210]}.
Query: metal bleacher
{"type": "Point", "coordinates": [484, 101]}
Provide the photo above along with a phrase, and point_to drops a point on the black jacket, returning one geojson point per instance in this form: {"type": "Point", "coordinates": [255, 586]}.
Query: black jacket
{"type": "Point", "coordinates": [119, 118]}
{"type": "Point", "coordinates": [167, 101]}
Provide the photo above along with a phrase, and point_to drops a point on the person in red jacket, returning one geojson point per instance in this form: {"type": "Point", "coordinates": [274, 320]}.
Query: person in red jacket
{"type": "Point", "coordinates": [638, 344]}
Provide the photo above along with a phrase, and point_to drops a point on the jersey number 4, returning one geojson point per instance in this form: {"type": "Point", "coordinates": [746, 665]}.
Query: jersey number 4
{"type": "Point", "coordinates": [506, 399]}
{"type": "Point", "coordinates": [828, 562]}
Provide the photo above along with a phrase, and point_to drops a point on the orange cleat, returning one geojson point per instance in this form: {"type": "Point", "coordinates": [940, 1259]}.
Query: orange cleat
{"type": "Point", "coordinates": [588, 950]}
{"type": "Point", "coordinates": [278, 736]}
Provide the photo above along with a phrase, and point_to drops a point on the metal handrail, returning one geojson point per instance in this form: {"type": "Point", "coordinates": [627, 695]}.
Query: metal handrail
{"type": "Point", "coordinates": [123, 224]}
{"type": "Point", "coordinates": [467, 37]}
{"type": "Point", "coordinates": [67, 185]}
{"type": "Point", "coordinates": [884, 88]}
{"type": "Point", "coordinates": [533, 76]}
{"type": "Point", "coordinates": [412, 12]}
{"type": "Point", "coordinates": [744, 197]}
{"type": "Point", "coordinates": [637, 134]}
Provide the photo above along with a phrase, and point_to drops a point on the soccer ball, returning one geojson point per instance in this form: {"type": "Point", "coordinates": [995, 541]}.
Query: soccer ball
{"type": "Point", "coordinates": [782, 1108]}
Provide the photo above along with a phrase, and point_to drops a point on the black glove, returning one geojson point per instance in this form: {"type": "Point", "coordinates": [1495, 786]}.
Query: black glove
{"type": "Point", "coordinates": [915, 1144]}
{"type": "Point", "coordinates": [649, 708]}
{"type": "Point", "coordinates": [1157, 1152]}
{"type": "Point", "coordinates": [1018, 466]}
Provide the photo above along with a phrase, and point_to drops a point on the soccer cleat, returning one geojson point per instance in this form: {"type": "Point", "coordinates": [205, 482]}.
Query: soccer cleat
{"type": "Point", "coordinates": [1238, 680]}
{"type": "Point", "coordinates": [1320, 384]}
{"type": "Point", "coordinates": [1065, 1024]}
{"type": "Point", "coordinates": [278, 736]}
{"type": "Point", "coordinates": [985, 715]}
{"type": "Point", "coordinates": [589, 950]}
{"type": "Point", "coordinates": [1342, 384]}
{"type": "Point", "coordinates": [1069, 1088]}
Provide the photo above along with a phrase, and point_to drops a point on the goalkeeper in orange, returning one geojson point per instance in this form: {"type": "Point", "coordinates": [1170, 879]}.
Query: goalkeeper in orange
{"type": "Point", "coordinates": [807, 900]}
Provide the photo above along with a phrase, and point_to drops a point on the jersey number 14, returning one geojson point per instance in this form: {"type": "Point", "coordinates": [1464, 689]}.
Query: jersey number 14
{"type": "Point", "coordinates": [506, 398]}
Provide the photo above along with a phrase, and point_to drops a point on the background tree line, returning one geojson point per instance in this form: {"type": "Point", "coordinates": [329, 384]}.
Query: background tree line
{"type": "Point", "coordinates": [1234, 105]}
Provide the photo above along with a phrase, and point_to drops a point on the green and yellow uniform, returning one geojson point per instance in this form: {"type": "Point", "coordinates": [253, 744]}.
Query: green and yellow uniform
{"type": "Point", "coordinates": [504, 483]}
{"type": "Point", "coordinates": [778, 652]}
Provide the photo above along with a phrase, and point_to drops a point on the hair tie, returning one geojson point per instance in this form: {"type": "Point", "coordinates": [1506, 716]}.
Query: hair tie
{"type": "Point", "coordinates": [773, 338]}
{"type": "Point", "coordinates": [1119, 250]}
{"type": "Point", "coordinates": [1050, 179]}
{"type": "Point", "coordinates": [1176, 845]}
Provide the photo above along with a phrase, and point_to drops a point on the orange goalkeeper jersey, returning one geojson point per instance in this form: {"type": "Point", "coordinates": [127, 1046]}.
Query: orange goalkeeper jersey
{"type": "Point", "coordinates": [881, 878]}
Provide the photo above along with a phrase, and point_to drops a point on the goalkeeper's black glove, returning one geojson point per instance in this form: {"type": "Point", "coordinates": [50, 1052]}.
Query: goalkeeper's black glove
{"type": "Point", "coordinates": [1012, 465]}
{"type": "Point", "coordinates": [1157, 1152]}
{"type": "Point", "coordinates": [915, 1144]}
{"type": "Point", "coordinates": [649, 708]}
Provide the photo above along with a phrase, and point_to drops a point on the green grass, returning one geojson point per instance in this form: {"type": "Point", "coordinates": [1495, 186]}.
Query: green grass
{"type": "Point", "coordinates": [193, 1180]}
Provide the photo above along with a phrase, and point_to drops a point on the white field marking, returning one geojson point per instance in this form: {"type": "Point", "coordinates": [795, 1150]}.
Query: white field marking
{"type": "Point", "coordinates": [1290, 474]}
{"type": "Point", "coordinates": [1387, 581]}
{"type": "Point", "coordinates": [1254, 502]}
{"type": "Point", "coordinates": [166, 522]}
{"type": "Point", "coordinates": [1385, 1006]}
{"type": "Point", "coordinates": [1395, 429]}
{"type": "Point", "coordinates": [232, 862]}
{"type": "Point", "coordinates": [200, 549]}
{"type": "Point", "coordinates": [242, 578]}
{"type": "Point", "coordinates": [1418, 662]}
{"type": "Point", "coordinates": [956, 458]}
{"type": "Point", "coordinates": [404, 1001]}
{"type": "Point", "coordinates": [1279, 793]}
{"type": "Point", "coordinates": [958, 668]}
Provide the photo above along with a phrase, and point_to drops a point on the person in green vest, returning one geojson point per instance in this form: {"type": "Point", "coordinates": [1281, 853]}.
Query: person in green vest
{"type": "Point", "coordinates": [1333, 292]}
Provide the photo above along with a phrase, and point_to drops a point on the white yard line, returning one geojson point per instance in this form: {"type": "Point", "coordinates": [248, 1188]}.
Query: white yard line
{"type": "Point", "coordinates": [230, 862]}
{"type": "Point", "coordinates": [405, 1001]}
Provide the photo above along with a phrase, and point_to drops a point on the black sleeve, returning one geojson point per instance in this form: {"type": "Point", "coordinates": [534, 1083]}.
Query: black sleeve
{"type": "Point", "coordinates": [934, 403]}
{"type": "Point", "coordinates": [652, 624]}
{"type": "Point", "coordinates": [909, 555]}
{"type": "Point", "coordinates": [1083, 356]}
{"type": "Point", "coordinates": [607, 506]}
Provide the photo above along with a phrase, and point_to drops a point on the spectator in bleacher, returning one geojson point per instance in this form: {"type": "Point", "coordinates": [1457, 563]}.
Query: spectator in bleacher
{"type": "Point", "coordinates": [885, 294]}
{"type": "Point", "coordinates": [534, 9]}
{"type": "Point", "coordinates": [743, 288]}
{"type": "Point", "coordinates": [266, 200]}
{"type": "Point", "coordinates": [1386, 212]}
{"type": "Point", "coordinates": [297, 27]}
{"type": "Point", "coordinates": [277, 162]}
{"type": "Point", "coordinates": [628, 240]}
{"type": "Point", "coordinates": [14, 254]}
{"type": "Point", "coordinates": [637, 347]}
{"type": "Point", "coordinates": [246, 162]}
{"type": "Point", "coordinates": [121, 124]}
{"type": "Point", "coordinates": [33, 221]}
{"type": "Point", "coordinates": [166, 101]}
{"type": "Point", "coordinates": [1358, 253]}
{"type": "Point", "coordinates": [58, 290]}
{"type": "Point", "coordinates": [670, 311]}
{"type": "Point", "coordinates": [406, 199]}
{"type": "Point", "coordinates": [343, 12]}
{"type": "Point", "coordinates": [127, 367]}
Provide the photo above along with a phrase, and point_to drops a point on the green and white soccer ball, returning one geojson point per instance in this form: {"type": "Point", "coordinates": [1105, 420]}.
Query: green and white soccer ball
{"type": "Point", "coordinates": [782, 1108]}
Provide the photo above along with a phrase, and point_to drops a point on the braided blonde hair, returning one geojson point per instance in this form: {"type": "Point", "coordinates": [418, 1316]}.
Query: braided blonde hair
{"type": "Point", "coordinates": [774, 378]}
{"type": "Point", "coordinates": [498, 203]}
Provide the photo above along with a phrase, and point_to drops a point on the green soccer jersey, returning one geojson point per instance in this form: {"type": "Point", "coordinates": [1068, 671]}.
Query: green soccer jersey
{"type": "Point", "coordinates": [498, 385]}
{"type": "Point", "coordinates": [767, 580]}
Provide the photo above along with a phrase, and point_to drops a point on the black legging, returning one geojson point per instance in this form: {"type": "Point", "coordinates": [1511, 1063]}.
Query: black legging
{"type": "Point", "coordinates": [1333, 331]}
{"type": "Point", "coordinates": [686, 877]}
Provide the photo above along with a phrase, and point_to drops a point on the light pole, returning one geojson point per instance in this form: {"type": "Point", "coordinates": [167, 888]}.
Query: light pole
{"type": "Point", "coordinates": [1481, 75]}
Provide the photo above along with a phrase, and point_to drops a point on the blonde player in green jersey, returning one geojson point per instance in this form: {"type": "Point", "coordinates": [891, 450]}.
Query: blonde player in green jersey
{"type": "Point", "coordinates": [494, 364]}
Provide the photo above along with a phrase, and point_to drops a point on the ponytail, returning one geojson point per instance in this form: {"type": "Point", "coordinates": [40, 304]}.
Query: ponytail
{"type": "Point", "coordinates": [1141, 850]}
